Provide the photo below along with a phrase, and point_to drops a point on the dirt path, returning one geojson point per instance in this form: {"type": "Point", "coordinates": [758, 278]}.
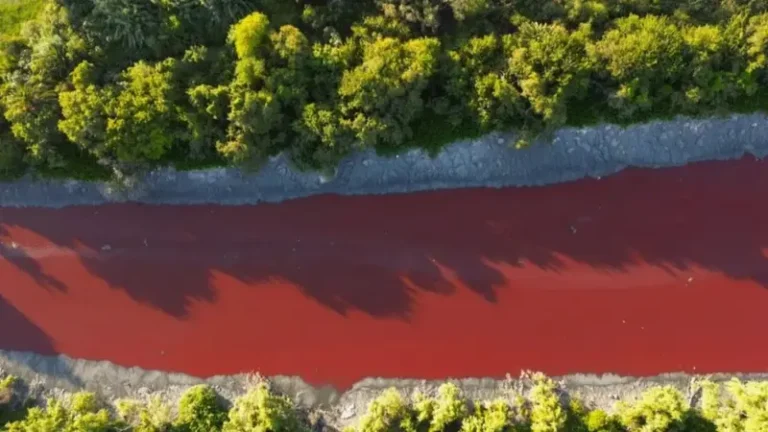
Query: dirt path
{"type": "Point", "coordinates": [640, 273]}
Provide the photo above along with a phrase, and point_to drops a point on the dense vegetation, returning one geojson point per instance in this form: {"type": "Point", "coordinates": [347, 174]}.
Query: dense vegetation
{"type": "Point", "coordinates": [91, 87]}
{"type": "Point", "coordinates": [543, 407]}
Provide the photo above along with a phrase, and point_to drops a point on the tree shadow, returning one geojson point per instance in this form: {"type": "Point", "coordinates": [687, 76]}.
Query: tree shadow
{"type": "Point", "coordinates": [21, 335]}
{"type": "Point", "coordinates": [374, 254]}
{"type": "Point", "coordinates": [19, 257]}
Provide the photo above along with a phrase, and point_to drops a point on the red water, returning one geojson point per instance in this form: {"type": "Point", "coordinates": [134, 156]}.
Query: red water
{"type": "Point", "coordinates": [640, 273]}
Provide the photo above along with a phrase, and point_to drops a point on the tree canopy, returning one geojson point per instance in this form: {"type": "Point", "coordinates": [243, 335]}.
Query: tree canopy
{"type": "Point", "coordinates": [133, 84]}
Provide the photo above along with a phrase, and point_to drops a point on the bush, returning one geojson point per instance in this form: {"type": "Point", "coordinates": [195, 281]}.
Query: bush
{"type": "Point", "coordinates": [260, 410]}
{"type": "Point", "coordinates": [733, 407]}
{"type": "Point", "coordinates": [200, 411]}
{"type": "Point", "coordinates": [660, 409]}
{"type": "Point", "coordinates": [78, 413]}
{"type": "Point", "coordinates": [152, 416]}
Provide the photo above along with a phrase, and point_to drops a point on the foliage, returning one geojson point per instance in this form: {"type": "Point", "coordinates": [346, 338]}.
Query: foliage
{"type": "Point", "coordinates": [488, 417]}
{"type": "Point", "coordinates": [200, 410]}
{"type": "Point", "coordinates": [90, 86]}
{"type": "Point", "coordinates": [735, 406]}
{"type": "Point", "coordinates": [259, 410]}
{"type": "Point", "coordinates": [383, 94]}
{"type": "Point", "coordinates": [13, 13]}
{"type": "Point", "coordinates": [49, 48]}
{"type": "Point", "coordinates": [644, 58]}
{"type": "Point", "coordinates": [78, 413]}
{"type": "Point", "coordinates": [387, 412]}
{"type": "Point", "coordinates": [744, 407]}
{"type": "Point", "coordinates": [660, 409]}
{"type": "Point", "coordinates": [547, 413]}
{"type": "Point", "coordinates": [152, 416]}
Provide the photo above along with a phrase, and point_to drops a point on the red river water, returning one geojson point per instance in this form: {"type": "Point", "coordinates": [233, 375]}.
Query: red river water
{"type": "Point", "coordinates": [644, 272]}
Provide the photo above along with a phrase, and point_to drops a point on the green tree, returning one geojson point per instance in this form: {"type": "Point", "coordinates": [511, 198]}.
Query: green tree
{"type": "Point", "coordinates": [41, 62]}
{"type": "Point", "coordinates": [716, 71]}
{"type": "Point", "coordinates": [758, 47]}
{"type": "Point", "coordinates": [660, 409]}
{"type": "Point", "coordinates": [550, 65]}
{"type": "Point", "coordinates": [260, 410]}
{"type": "Point", "coordinates": [645, 57]}
{"type": "Point", "coordinates": [383, 94]}
{"type": "Point", "coordinates": [269, 89]}
{"type": "Point", "coordinates": [200, 411]}
{"type": "Point", "coordinates": [79, 413]}
{"type": "Point", "coordinates": [142, 123]}
{"type": "Point", "coordinates": [83, 109]}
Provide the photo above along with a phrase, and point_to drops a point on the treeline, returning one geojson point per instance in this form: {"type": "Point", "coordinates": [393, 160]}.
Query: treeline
{"type": "Point", "coordinates": [94, 86]}
{"type": "Point", "coordinates": [543, 407]}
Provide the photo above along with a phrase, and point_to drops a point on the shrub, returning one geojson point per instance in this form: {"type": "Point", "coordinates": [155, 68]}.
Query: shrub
{"type": "Point", "coordinates": [547, 414]}
{"type": "Point", "coordinates": [200, 411]}
{"type": "Point", "coordinates": [259, 411]}
{"type": "Point", "coordinates": [78, 413]}
{"type": "Point", "coordinates": [152, 416]}
{"type": "Point", "coordinates": [387, 412]}
{"type": "Point", "coordinates": [734, 407]}
{"type": "Point", "coordinates": [495, 416]}
{"type": "Point", "coordinates": [660, 409]}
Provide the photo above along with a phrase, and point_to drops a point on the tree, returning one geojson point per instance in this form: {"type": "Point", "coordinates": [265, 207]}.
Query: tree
{"type": "Point", "coordinates": [83, 108]}
{"type": "Point", "coordinates": [202, 76]}
{"type": "Point", "coordinates": [248, 36]}
{"type": "Point", "coordinates": [645, 58]}
{"type": "Point", "coordinates": [550, 65]}
{"type": "Point", "coordinates": [78, 413]}
{"type": "Point", "coordinates": [49, 47]}
{"type": "Point", "coordinates": [716, 73]}
{"type": "Point", "coordinates": [383, 94]}
{"type": "Point", "coordinates": [125, 27]}
{"type": "Point", "coordinates": [260, 410]}
{"type": "Point", "coordinates": [200, 410]}
{"type": "Point", "coordinates": [479, 86]}
{"type": "Point", "coordinates": [423, 15]}
{"type": "Point", "coordinates": [757, 44]}
{"type": "Point", "coordinates": [269, 89]}
{"type": "Point", "coordinates": [142, 122]}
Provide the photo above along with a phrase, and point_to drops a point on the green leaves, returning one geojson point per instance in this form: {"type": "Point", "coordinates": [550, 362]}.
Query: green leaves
{"type": "Point", "coordinates": [551, 66]}
{"type": "Point", "coordinates": [249, 34]}
{"type": "Point", "coordinates": [78, 413]}
{"type": "Point", "coordinates": [200, 411]}
{"type": "Point", "coordinates": [383, 94]}
{"type": "Point", "coordinates": [659, 410]}
{"type": "Point", "coordinates": [261, 411]}
{"type": "Point", "coordinates": [645, 57]}
{"type": "Point", "coordinates": [145, 82]}
{"type": "Point", "coordinates": [140, 119]}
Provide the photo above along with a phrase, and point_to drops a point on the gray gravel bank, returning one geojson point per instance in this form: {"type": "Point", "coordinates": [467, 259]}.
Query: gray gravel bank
{"type": "Point", "coordinates": [55, 375]}
{"type": "Point", "coordinates": [569, 154]}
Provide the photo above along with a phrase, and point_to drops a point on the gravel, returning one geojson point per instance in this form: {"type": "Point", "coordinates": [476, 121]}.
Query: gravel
{"type": "Point", "coordinates": [47, 376]}
{"type": "Point", "coordinates": [568, 154]}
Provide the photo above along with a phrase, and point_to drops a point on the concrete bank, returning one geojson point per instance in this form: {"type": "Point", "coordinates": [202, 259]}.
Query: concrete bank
{"type": "Point", "coordinates": [56, 375]}
{"type": "Point", "coordinates": [569, 154]}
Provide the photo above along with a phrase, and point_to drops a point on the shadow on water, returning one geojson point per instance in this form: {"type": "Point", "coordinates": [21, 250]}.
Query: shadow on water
{"type": "Point", "coordinates": [24, 336]}
{"type": "Point", "coordinates": [373, 254]}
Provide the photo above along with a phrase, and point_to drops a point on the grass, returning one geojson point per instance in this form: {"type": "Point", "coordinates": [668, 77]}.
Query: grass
{"type": "Point", "coordinates": [14, 13]}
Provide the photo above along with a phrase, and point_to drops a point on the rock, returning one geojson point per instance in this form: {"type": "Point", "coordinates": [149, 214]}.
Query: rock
{"type": "Point", "coordinates": [347, 412]}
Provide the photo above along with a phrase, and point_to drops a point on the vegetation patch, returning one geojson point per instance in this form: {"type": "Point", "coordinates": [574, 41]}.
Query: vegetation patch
{"type": "Point", "coordinates": [14, 13]}
{"type": "Point", "coordinates": [538, 405]}
{"type": "Point", "coordinates": [89, 88]}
